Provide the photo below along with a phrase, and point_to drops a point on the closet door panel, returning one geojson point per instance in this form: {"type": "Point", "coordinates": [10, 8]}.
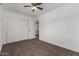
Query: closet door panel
{"type": "Point", "coordinates": [23, 30]}
{"type": "Point", "coordinates": [13, 33]}
{"type": "Point", "coordinates": [32, 34]}
{"type": "Point", "coordinates": [32, 29]}
{"type": "Point", "coordinates": [31, 25]}
{"type": "Point", "coordinates": [18, 30]}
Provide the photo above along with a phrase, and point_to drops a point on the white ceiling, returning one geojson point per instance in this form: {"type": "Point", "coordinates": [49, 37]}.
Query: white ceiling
{"type": "Point", "coordinates": [19, 8]}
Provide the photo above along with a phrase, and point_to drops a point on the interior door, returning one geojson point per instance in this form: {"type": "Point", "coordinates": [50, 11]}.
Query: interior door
{"type": "Point", "coordinates": [32, 29]}
{"type": "Point", "coordinates": [18, 30]}
{"type": "Point", "coordinates": [13, 33]}
{"type": "Point", "coordinates": [23, 29]}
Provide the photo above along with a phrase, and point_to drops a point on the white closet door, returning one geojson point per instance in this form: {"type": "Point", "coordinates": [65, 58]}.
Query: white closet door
{"type": "Point", "coordinates": [32, 30]}
{"type": "Point", "coordinates": [13, 33]}
{"type": "Point", "coordinates": [18, 30]}
{"type": "Point", "coordinates": [23, 30]}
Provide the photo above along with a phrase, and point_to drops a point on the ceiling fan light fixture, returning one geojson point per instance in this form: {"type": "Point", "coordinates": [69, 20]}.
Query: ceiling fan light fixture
{"type": "Point", "coordinates": [34, 8]}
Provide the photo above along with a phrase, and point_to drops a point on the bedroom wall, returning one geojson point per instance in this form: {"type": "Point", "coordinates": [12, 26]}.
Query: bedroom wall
{"type": "Point", "coordinates": [61, 27]}
{"type": "Point", "coordinates": [15, 27]}
{"type": "Point", "coordinates": [0, 27]}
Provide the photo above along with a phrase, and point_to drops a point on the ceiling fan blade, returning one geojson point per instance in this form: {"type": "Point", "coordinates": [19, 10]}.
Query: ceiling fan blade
{"type": "Point", "coordinates": [40, 8]}
{"type": "Point", "coordinates": [27, 6]}
{"type": "Point", "coordinates": [34, 4]}
{"type": "Point", "coordinates": [38, 3]}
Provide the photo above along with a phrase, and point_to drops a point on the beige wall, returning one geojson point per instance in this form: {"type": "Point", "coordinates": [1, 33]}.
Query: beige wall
{"type": "Point", "coordinates": [61, 26]}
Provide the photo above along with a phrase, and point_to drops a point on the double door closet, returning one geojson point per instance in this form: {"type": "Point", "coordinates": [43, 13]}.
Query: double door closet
{"type": "Point", "coordinates": [17, 29]}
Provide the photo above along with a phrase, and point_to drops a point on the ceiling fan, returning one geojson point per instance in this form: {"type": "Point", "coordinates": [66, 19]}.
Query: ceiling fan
{"type": "Point", "coordinates": [34, 6]}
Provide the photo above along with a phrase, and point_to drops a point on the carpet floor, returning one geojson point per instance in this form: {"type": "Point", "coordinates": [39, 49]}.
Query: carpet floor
{"type": "Point", "coordinates": [35, 47]}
